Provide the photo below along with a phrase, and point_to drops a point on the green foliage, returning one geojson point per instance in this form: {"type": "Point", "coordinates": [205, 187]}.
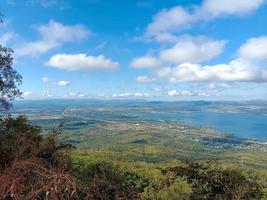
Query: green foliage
{"type": "Point", "coordinates": [206, 179]}
{"type": "Point", "coordinates": [138, 181]}
{"type": "Point", "coordinates": [104, 181]}
{"type": "Point", "coordinates": [32, 166]}
{"type": "Point", "coordinates": [42, 166]}
{"type": "Point", "coordinates": [9, 78]}
{"type": "Point", "coordinates": [18, 139]}
{"type": "Point", "coordinates": [167, 187]}
{"type": "Point", "coordinates": [212, 182]}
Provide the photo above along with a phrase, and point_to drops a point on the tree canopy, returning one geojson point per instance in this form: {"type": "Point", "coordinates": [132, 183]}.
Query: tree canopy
{"type": "Point", "coordinates": [9, 78]}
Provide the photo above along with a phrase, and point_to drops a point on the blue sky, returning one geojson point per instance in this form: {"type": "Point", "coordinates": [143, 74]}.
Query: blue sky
{"type": "Point", "coordinates": [165, 50]}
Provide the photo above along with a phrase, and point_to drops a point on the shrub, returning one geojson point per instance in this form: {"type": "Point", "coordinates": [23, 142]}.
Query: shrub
{"type": "Point", "coordinates": [104, 181]}
{"type": "Point", "coordinates": [212, 182]}
{"type": "Point", "coordinates": [32, 166]}
{"type": "Point", "coordinates": [167, 187]}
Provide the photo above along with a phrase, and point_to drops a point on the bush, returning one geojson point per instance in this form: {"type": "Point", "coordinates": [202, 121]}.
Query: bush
{"type": "Point", "coordinates": [212, 182]}
{"type": "Point", "coordinates": [32, 166]}
{"type": "Point", "coordinates": [167, 187]}
{"type": "Point", "coordinates": [104, 181]}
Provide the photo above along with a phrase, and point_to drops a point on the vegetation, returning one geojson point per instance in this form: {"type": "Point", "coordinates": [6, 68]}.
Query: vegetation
{"type": "Point", "coordinates": [9, 79]}
{"type": "Point", "coordinates": [37, 166]}
{"type": "Point", "coordinates": [41, 167]}
{"type": "Point", "coordinates": [32, 166]}
{"type": "Point", "coordinates": [120, 131]}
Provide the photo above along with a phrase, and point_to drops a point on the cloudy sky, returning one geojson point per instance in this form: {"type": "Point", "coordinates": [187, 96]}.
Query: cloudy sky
{"type": "Point", "coordinates": [145, 49]}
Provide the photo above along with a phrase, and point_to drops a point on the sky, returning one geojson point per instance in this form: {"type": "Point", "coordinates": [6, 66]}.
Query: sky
{"type": "Point", "coordinates": [142, 49]}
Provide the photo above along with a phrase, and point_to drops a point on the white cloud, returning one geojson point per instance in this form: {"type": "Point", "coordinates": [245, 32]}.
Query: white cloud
{"type": "Point", "coordinates": [212, 86]}
{"type": "Point", "coordinates": [169, 20]}
{"type": "Point", "coordinates": [145, 62]}
{"type": "Point", "coordinates": [193, 50]}
{"type": "Point", "coordinates": [27, 94]}
{"type": "Point", "coordinates": [178, 18]}
{"type": "Point", "coordinates": [73, 62]}
{"type": "Point", "coordinates": [6, 37]}
{"type": "Point", "coordinates": [48, 94]}
{"type": "Point", "coordinates": [121, 95]}
{"type": "Point", "coordinates": [54, 31]}
{"type": "Point", "coordinates": [215, 87]}
{"type": "Point", "coordinates": [53, 35]}
{"type": "Point", "coordinates": [138, 94]}
{"type": "Point", "coordinates": [179, 93]}
{"type": "Point", "coordinates": [200, 92]}
{"type": "Point", "coordinates": [63, 83]}
{"type": "Point", "coordinates": [164, 71]}
{"type": "Point", "coordinates": [207, 94]}
{"type": "Point", "coordinates": [173, 93]}
{"type": "Point", "coordinates": [229, 7]}
{"type": "Point", "coordinates": [45, 79]}
{"type": "Point", "coordinates": [187, 49]}
{"type": "Point", "coordinates": [236, 70]}
{"type": "Point", "coordinates": [255, 49]}
{"type": "Point", "coordinates": [131, 95]}
{"type": "Point", "coordinates": [242, 69]}
{"type": "Point", "coordinates": [165, 37]}
{"type": "Point", "coordinates": [144, 79]}
{"type": "Point", "coordinates": [75, 95]}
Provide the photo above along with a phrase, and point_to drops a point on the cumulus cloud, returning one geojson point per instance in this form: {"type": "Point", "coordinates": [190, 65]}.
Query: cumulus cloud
{"type": "Point", "coordinates": [169, 20]}
{"type": "Point", "coordinates": [178, 18]}
{"type": "Point", "coordinates": [131, 95]}
{"type": "Point", "coordinates": [188, 49]}
{"type": "Point", "coordinates": [145, 62]}
{"type": "Point", "coordinates": [236, 70]}
{"type": "Point", "coordinates": [179, 93]}
{"type": "Point", "coordinates": [75, 95]}
{"type": "Point", "coordinates": [255, 49]}
{"type": "Point", "coordinates": [229, 7]}
{"type": "Point", "coordinates": [193, 50]}
{"type": "Point", "coordinates": [73, 62]}
{"type": "Point", "coordinates": [242, 69]}
{"type": "Point", "coordinates": [215, 87]}
{"type": "Point", "coordinates": [144, 79]}
{"type": "Point", "coordinates": [6, 37]}
{"type": "Point", "coordinates": [166, 37]}
{"type": "Point", "coordinates": [63, 83]}
{"type": "Point", "coordinates": [53, 35]}
{"type": "Point", "coordinates": [27, 94]}
{"type": "Point", "coordinates": [163, 71]}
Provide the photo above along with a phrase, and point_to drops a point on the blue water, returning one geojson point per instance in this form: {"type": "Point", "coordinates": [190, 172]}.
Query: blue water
{"type": "Point", "coordinates": [240, 124]}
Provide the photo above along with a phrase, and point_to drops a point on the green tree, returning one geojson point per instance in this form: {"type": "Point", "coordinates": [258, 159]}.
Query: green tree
{"type": "Point", "coordinates": [212, 182]}
{"type": "Point", "coordinates": [9, 78]}
{"type": "Point", "coordinates": [167, 187]}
